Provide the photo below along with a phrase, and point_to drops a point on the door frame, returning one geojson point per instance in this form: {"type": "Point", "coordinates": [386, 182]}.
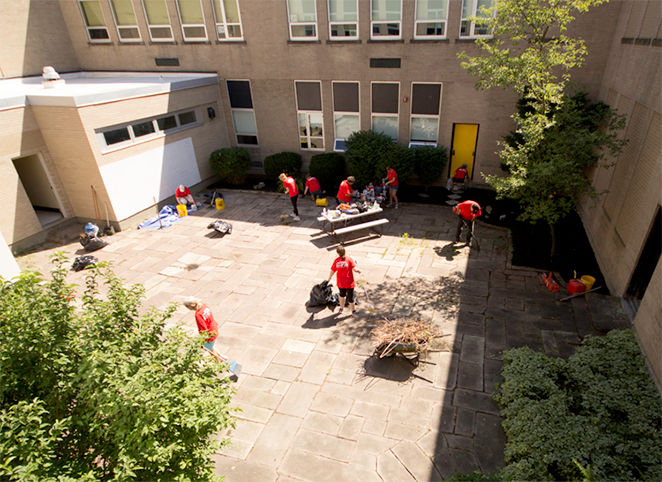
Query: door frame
{"type": "Point", "coordinates": [47, 172]}
{"type": "Point", "coordinates": [450, 157]}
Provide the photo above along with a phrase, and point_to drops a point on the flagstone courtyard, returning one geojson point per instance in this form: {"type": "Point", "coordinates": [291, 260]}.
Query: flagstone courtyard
{"type": "Point", "coordinates": [314, 403]}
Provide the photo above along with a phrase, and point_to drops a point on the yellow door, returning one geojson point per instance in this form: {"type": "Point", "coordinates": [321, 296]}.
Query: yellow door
{"type": "Point", "coordinates": [464, 147]}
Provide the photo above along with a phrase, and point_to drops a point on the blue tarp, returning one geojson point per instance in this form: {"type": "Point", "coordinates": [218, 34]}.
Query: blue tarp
{"type": "Point", "coordinates": [168, 217]}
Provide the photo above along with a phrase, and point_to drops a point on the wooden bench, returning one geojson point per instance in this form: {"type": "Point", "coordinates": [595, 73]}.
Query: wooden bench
{"type": "Point", "coordinates": [358, 227]}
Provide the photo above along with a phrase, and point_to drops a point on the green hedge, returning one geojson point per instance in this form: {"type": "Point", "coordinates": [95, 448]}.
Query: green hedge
{"type": "Point", "coordinates": [429, 163]}
{"type": "Point", "coordinates": [364, 148]}
{"type": "Point", "coordinates": [329, 169]}
{"type": "Point", "coordinates": [287, 162]}
{"type": "Point", "coordinates": [231, 164]}
{"type": "Point", "coordinates": [599, 408]}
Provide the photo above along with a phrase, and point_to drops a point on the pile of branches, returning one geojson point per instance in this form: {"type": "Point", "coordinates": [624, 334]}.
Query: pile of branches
{"type": "Point", "coordinates": [415, 335]}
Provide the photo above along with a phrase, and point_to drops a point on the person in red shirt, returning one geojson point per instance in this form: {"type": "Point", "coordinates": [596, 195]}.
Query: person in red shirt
{"type": "Point", "coordinates": [460, 175]}
{"type": "Point", "coordinates": [467, 212]}
{"type": "Point", "coordinates": [312, 185]}
{"type": "Point", "coordinates": [183, 195]}
{"type": "Point", "coordinates": [392, 185]}
{"type": "Point", "coordinates": [343, 267]}
{"type": "Point", "coordinates": [291, 188]}
{"type": "Point", "coordinates": [345, 191]}
{"type": "Point", "coordinates": [207, 325]}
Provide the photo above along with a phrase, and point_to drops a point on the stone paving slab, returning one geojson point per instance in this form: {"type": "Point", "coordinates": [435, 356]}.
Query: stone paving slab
{"type": "Point", "coordinates": [314, 404]}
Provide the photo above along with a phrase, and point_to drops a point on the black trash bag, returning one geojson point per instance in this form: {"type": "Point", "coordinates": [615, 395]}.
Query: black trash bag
{"type": "Point", "coordinates": [221, 227]}
{"type": "Point", "coordinates": [82, 262]}
{"type": "Point", "coordinates": [91, 243]}
{"type": "Point", "coordinates": [322, 295]}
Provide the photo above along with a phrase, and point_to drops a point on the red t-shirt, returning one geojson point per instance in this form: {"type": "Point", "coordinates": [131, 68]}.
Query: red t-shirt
{"type": "Point", "coordinates": [460, 173]}
{"type": "Point", "coordinates": [393, 176]}
{"type": "Point", "coordinates": [290, 184]}
{"type": "Point", "coordinates": [313, 184]}
{"type": "Point", "coordinates": [206, 322]}
{"type": "Point", "coordinates": [343, 269]}
{"type": "Point", "coordinates": [345, 192]}
{"type": "Point", "coordinates": [183, 193]}
{"type": "Point", "coordinates": [464, 210]}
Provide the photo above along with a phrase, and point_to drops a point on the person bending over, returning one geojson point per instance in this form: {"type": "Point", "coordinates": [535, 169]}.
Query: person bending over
{"type": "Point", "coordinates": [206, 325]}
{"type": "Point", "coordinates": [183, 196]}
{"type": "Point", "coordinates": [312, 185]}
{"type": "Point", "coordinates": [291, 188]}
{"type": "Point", "coordinates": [467, 212]}
{"type": "Point", "coordinates": [345, 191]}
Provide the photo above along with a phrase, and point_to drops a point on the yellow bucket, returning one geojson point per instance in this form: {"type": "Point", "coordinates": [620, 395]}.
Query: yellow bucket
{"type": "Point", "coordinates": [321, 201]}
{"type": "Point", "coordinates": [220, 204]}
{"type": "Point", "coordinates": [181, 209]}
{"type": "Point", "coordinates": [588, 281]}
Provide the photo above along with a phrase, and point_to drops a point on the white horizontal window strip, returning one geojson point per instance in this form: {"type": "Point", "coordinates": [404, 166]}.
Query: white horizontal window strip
{"type": "Point", "coordinates": [133, 182]}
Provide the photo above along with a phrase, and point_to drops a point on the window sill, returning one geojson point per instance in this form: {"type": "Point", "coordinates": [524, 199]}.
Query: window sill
{"type": "Point", "coordinates": [385, 41]}
{"type": "Point", "coordinates": [472, 39]}
{"type": "Point", "coordinates": [105, 42]}
{"type": "Point", "coordinates": [349, 41]}
{"type": "Point", "coordinates": [139, 42]}
{"type": "Point", "coordinates": [196, 42]}
{"type": "Point", "coordinates": [163, 42]}
{"type": "Point", "coordinates": [440, 40]}
{"type": "Point", "coordinates": [225, 42]}
{"type": "Point", "coordinates": [304, 41]}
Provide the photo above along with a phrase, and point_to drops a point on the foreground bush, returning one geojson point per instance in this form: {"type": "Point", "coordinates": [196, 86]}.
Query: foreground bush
{"type": "Point", "coordinates": [287, 162]}
{"type": "Point", "coordinates": [329, 169]}
{"type": "Point", "coordinates": [231, 164]}
{"type": "Point", "coordinates": [101, 391]}
{"type": "Point", "coordinates": [599, 408]}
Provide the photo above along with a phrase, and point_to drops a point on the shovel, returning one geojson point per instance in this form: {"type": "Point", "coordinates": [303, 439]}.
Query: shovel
{"type": "Point", "coordinates": [108, 230]}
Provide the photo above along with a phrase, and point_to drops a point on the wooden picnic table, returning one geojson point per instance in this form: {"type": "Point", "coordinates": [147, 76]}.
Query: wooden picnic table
{"type": "Point", "coordinates": [345, 222]}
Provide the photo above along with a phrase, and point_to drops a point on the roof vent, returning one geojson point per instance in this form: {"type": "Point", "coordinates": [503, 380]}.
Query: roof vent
{"type": "Point", "coordinates": [50, 77]}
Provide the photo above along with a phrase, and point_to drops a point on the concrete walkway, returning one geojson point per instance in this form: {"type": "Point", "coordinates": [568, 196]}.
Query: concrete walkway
{"type": "Point", "coordinates": [314, 404]}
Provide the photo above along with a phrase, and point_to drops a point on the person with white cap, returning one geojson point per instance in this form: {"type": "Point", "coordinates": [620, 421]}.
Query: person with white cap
{"type": "Point", "coordinates": [183, 196]}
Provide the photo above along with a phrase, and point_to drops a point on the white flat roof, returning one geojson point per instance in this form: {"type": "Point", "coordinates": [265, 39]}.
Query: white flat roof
{"type": "Point", "coordinates": [86, 88]}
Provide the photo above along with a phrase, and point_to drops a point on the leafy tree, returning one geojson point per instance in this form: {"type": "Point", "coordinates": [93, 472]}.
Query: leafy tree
{"type": "Point", "coordinates": [101, 390]}
{"type": "Point", "coordinates": [553, 178]}
{"type": "Point", "coordinates": [531, 53]}
{"type": "Point", "coordinates": [231, 164]}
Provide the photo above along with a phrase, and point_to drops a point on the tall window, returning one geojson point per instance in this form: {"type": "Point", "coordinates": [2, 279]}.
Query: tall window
{"type": "Point", "coordinates": [228, 21]}
{"type": "Point", "coordinates": [385, 102]}
{"type": "Point", "coordinates": [303, 19]}
{"type": "Point", "coordinates": [93, 17]}
{"type": "Point", "coordinates": [158, 20]}
{"type": "Point", "coordinates": [473, 11]}
{"type": "Point", "coordinates": [125, 19]}
{"type": "Point", "coordinates": [343, 19]}
{"type": "Point", "coordinates": [424, 113]}
{"type": "Point", "coordinates": [192, 19]}
{"type": "Point", "coordinates": [243, 115]}
{"type": "Point", "coordinates": [309, 113]}
{"type": "Point", "coordinates": [431, 16]}
{"type": "Point", "coordinates": [345, 112]}
{"type": "Point", "coordinates": [386, 19]}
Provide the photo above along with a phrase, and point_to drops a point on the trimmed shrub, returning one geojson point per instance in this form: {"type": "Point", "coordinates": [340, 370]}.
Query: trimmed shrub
{"type": "Point", "coordinates": [599, 409]}
{"type": "Point", "coordinates": [329, 169]}
{"type": "Point", "coordinates": [288, 162]}
{"type": "Point", "coordinates": [400, 158]}
{"type": "Point", "coordinates": [429, 163]}
{"type": "Point", "coordinates": [231, 164]}
{"type": "Point", "coordinates": [364, 148]}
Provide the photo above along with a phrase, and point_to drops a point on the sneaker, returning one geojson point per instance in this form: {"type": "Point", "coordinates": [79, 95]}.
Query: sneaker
{"type": "Point", "coordinates": [397, 206]}
{"type": "Point", "coordinates": [389, 205]}
{"type": "Point", "coordinates": [296, 218]}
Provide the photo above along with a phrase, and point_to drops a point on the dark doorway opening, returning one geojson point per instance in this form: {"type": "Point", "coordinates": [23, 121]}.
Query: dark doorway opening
{"type": "Point", "coordinates": [648, 259]}
{"type": "Point", "coordinates": [39, 189]}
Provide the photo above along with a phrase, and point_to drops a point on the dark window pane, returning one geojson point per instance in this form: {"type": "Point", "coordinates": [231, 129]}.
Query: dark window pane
{"type": "Point", "coordinates": [166, 123]}
{"type": "Point", "coordinates": [187, 118]}
{"type": "Point", "coordinates": [143, 128]}
{"type": "Point", "coordinates": [98, 33]}
{"type": "Point", "coordinates": [246, 139]}
{"type": "Point", "coordinates": [116, 135]}
{"type": "Point", "coordinates": [385, 98]}
{"type": "Point", "coordinates": [308, 96]}
{"type": "Point", "coordinates": [425, 99]}
{"type": "Point", "coordinates": [346, 97]}
{"type": "Point", "coordinates": [240, 94]}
